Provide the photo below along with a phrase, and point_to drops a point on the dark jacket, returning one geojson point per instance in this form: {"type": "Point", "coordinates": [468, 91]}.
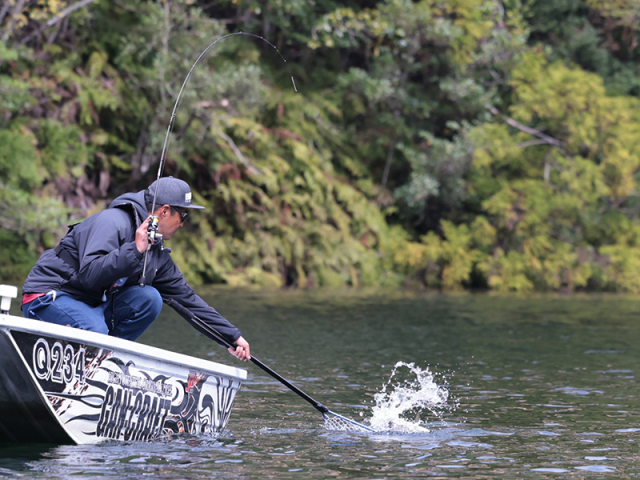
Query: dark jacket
{"type": "Point", "coordinates": [101, 253]}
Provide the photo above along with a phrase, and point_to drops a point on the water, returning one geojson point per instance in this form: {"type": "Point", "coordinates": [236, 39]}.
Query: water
{"type": "Point", "coordinates": [511, 387]}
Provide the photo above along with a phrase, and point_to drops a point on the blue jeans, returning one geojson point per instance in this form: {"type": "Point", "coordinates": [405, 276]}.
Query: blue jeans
{"type": "Point", "coordinates": [127, 315]}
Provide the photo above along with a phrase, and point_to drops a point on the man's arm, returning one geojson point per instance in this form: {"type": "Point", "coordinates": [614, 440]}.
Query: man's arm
{"type": "Point", "coordinates": [171, 284]}
{"type": "Point", "coordinates": [107, 250]}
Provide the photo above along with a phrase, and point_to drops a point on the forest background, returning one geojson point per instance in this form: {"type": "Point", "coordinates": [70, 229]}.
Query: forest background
{"type": "Point", "coordinates": [447, 144]}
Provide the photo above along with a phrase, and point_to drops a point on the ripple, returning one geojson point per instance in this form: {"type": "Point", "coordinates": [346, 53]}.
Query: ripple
{"type": "Point", "coordinates": [550, 470]}
{"type": "Point", "coordinates": [597, 468]}
{"type": "Point", "coordinates": [458, 443]}
{"type": "Point", "coordinates": [577, 391]}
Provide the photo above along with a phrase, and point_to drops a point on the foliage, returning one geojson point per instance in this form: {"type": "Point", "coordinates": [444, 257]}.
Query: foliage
{"type": "Point", "coordinates": [600, 36]}
{"type": "Point", "coordinates": [429, 69]}
{"type": "Point", "coordinates": [459, 144]}
{"type": "Point", "coordinates": [549, 202]}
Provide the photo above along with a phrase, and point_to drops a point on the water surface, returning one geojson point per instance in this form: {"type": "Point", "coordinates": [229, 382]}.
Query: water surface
{"type": "Point", "coordinates": [541, 387]}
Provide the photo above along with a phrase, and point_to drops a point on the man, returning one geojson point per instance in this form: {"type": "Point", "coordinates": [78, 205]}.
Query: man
{"type": "Point", "coordinates": [91, 280]}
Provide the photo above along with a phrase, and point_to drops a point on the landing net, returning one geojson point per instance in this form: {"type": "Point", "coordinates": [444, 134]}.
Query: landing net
{"type": "Point", "coordinates": [338, 423]}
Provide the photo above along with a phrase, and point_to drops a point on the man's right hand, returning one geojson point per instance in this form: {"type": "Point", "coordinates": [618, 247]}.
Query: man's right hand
{"type": "Point", "coordinates": [241, 349]}
{"type": "Point", "coordinates": [142, 236]}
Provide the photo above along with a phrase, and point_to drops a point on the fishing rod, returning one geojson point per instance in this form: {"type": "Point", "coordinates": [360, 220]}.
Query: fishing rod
{"type": "Point", "coordinates": [152, 231]}
{"type": "Point", "coordinates": [153, 235]}
{"type": "Point", "coordinates": [340, 421]}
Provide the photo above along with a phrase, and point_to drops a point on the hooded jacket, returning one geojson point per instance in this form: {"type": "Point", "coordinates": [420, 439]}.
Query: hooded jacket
{"type": "Point", "coordinates": [99, 256]}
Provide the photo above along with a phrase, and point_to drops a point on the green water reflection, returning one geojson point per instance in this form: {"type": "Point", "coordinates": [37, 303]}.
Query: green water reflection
{"type": "Point", "coordinates": [546, 388]}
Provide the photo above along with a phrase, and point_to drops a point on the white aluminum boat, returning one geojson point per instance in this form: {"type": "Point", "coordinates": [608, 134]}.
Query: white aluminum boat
{"type": "Point", "coordinates": [65, 385]}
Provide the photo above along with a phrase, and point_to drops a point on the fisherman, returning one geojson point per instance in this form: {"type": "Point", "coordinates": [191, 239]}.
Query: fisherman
{"type": "Point", "coordinates": [93, 279]}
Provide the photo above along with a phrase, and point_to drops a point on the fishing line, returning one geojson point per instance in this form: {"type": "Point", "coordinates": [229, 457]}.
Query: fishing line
{"type": "Point", "coordinates": [332, 419]}
{"type": "Point", "coordinates": [152, 231]}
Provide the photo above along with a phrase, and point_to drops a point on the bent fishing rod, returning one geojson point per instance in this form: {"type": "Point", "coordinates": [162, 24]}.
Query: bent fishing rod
{"type": "Point", "coordinates": [152, 231]}
{"type": "Point", "coordinates": [153, 235]}
{"type": "Point", "coordinates": [211, 332]}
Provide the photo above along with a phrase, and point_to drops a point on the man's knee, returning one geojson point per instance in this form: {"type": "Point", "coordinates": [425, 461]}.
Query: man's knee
{"type": "Point", "coordinates": [136, 308]}
{"type": "Point", "coordinates": [145, 300]}
{"type": "Point", "coordinates": [153, 299]}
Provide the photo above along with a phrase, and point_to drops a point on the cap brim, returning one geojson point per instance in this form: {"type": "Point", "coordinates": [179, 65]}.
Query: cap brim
{"type": "Point", "coordinates": [191, 205]}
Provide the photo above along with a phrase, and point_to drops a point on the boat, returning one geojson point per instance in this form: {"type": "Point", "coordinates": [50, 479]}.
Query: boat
{"type": "Point", "coordinates": [63, 385]}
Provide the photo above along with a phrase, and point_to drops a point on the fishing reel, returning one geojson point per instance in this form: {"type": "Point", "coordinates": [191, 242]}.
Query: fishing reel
{"type": "Point", "coordinates": [152, 231]}
{"type": "Point", "coordinates": [152, 235]}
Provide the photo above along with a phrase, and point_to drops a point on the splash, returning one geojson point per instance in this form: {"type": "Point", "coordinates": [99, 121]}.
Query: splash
{"type": "Point", "coordinates": [409, 393]}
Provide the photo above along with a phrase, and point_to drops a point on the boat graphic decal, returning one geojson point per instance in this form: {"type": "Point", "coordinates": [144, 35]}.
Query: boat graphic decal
{"type": "Point", "coordinates": [96, 392]}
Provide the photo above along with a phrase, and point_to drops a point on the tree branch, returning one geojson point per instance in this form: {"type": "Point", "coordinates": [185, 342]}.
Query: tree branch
{"type": "Point", "coordinates": [54, 20]}
{"type": "Point", "coordinates": [165, 51]}
{"type": "Point", "coordinates": [387, 165]}
{"type": "Point", "coordinates": [531, 131]}
{"type": "Point", "coordinates": [239, 154]}
{"type": "Point", "coordinates": [126, 7]}
{"type": "Point", "coordinates": [531, 143]}
{"type": "Point", "coordinates": [17, 8]}
{"type": "Point", "coordinates": [3, 11]}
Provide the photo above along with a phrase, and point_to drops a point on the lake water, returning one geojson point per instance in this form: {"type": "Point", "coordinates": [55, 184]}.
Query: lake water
{"type": "Point", "coordinates": [538, 387]}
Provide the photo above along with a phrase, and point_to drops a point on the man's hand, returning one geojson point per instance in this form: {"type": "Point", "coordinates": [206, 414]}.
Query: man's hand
{"type": "Point", "coordinates": [241, 350]}
{"type": "Point", "coordinates": [142, 236]}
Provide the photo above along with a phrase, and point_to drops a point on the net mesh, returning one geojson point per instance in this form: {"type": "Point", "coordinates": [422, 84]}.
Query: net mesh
{"type": "Point", "coordinates": [339, 423]}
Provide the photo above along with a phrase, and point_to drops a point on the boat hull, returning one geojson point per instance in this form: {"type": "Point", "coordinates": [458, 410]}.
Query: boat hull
{"type": "Point", "coordinates": [63, 385]}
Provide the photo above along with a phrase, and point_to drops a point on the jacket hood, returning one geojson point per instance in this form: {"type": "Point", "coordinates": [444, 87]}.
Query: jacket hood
{"type": "Point", "coordinates": [135, 199]}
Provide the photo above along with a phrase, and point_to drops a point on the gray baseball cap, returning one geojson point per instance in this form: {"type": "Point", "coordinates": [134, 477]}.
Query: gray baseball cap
{"type": "Point", "coordinates": [171, 191]}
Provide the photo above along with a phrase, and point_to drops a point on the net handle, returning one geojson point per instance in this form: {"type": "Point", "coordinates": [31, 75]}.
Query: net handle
{"type": "Point", "coordinates": [217, 336]}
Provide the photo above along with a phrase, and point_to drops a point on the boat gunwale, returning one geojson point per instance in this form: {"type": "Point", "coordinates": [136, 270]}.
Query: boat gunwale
{"type": "Point", "coordinates": [11, 322]}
